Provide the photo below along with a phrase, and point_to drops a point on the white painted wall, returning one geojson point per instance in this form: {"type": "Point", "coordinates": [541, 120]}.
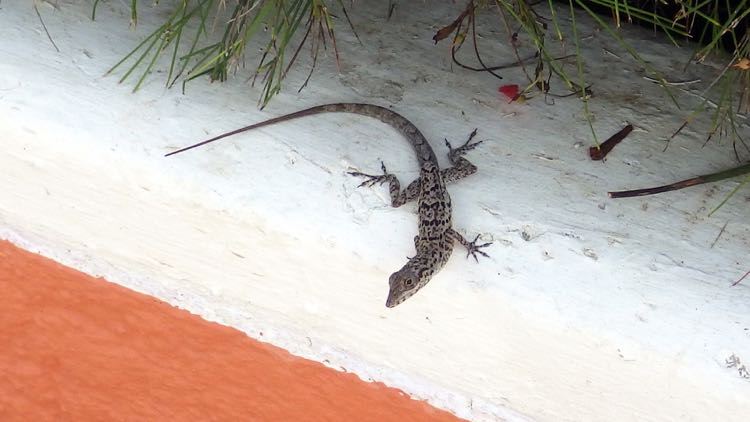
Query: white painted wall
{"type": "Point", "coordinates": [611, 310]}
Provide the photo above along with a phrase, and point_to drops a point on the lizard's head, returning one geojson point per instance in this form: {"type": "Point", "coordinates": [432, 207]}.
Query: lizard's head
{"type": "Point", "coordinates": [404, 283]}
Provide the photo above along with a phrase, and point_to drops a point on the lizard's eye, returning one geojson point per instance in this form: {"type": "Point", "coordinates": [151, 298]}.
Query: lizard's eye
{"type": "Point", "coordinates": [408, 282]}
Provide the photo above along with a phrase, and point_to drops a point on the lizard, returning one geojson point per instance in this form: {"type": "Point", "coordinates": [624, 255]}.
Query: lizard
{"type": "Point", "coordinates": [436, 236]}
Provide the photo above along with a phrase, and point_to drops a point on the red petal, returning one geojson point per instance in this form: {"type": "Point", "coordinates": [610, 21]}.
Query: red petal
{"type": "Point", "coordinates": [510, 91]}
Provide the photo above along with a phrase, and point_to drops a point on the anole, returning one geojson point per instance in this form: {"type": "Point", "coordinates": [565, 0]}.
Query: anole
{"type": "Point", "coordinates": [435, 238]}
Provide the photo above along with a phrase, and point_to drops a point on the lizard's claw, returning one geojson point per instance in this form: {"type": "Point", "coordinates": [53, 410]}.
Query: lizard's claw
{"type": "Point", "coordinates": [473, 249]}
{"type": "Point", "coordinates": [371, 180]}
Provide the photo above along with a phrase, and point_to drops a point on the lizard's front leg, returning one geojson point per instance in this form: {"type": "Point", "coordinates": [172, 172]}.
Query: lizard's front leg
{"type": "Point", "coordinates": [398, 197]}
{"type": "Point", "coordinates": [471, 247]}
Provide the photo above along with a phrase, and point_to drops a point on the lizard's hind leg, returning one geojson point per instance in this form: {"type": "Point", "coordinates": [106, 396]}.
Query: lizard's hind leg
{"type": "Point", "coordinates": [461, 166]}
{"type": "Point", "coordinates": [398, 197]}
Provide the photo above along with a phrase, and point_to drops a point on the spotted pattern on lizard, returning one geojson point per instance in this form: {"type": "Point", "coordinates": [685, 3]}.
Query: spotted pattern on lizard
{"type": "Point", "coordinates": [436, 236]}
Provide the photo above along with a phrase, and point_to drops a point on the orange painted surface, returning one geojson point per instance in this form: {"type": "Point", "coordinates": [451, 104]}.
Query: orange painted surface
{"type": "Point", "coordinates": [73, 347]}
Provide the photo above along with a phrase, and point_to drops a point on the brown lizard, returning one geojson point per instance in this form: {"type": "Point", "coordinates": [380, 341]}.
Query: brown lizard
{"type": "Point", "coordinates": [434, 242]}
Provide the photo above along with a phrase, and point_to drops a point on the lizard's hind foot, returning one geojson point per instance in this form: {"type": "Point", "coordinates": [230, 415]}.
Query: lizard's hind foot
{"type": "Point", "coordinates": [373, 179]}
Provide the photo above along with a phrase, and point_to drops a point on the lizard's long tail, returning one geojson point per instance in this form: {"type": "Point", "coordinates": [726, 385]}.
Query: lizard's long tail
{"type": "Point", "coordinates": [397, 121]}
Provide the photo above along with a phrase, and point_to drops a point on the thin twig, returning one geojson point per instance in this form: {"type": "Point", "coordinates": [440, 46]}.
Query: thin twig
{"type": "Point", "coordinates": [472, 20]}
{"type": "Point", "coordinates": [708, 178]}
{"type": "Point", "coordinates": [707, 101]}
{"type": "Point", "coordinates": [666, 82]}
{"type": "Point", "coordinates": [611, 53]}
{"type": "Point", "coordinates": [741, 278]}
{"type": "Point", "coordinates": [391, 8]}
{"type": "Point", "coordinates": [45, 28]}
{"type": "Point", "coordinates": [720, 233]}
{"type": "Point", "coordinates": [513, 43]}
{"type": "Point", "coordinates": [351, 25]}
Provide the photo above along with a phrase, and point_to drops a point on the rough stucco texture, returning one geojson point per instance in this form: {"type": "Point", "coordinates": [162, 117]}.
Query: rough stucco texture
{"type": "Point", "coordinates": [78, 348]}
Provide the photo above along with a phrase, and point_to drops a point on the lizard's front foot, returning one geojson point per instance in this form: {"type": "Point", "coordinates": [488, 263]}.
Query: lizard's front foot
{"type": "Point", "coordinates": [463, 149]}
{"type": "Point", "coordinates": [473, 249]}
{"type": "Point", "coordinates": [372, 180]}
